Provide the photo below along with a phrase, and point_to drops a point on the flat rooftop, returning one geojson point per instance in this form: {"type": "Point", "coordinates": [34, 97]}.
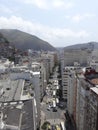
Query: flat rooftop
{"type": "Point", "coordinates": [27, 122]}
{"type": "Point", "coordinates": [17, 115]}
{"type": "Point", "coordinates": [12, 90]}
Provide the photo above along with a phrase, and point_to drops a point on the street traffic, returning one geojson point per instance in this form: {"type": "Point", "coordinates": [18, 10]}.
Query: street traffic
{"type": "Point", "coordinates": [53, 110]}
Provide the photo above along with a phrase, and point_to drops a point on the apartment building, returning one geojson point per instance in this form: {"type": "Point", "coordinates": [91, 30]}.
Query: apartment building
{"type": "Point", "coordinates": [71, 92]}
{"type": "Point", "coordinates": [46, 64]}
{"type": "Point", "coordinates": [92, 122]}
{"type": "Point", "coordinates": [93, 60]}
{"type": "Point", "coordinates": [82, 98]}
{"type": "Point", "coordinates": [82, 102]}
{"type": "Point", "coordinates": [65, 83]}
{"type": "Point", "coordinates": [76, 55]}
{"type": "Point", "coordinates": [50, 56]}
{"type": "Point", "coordinates": [87, 101]}
{"type": "Point", "coordinates": [66, 80]}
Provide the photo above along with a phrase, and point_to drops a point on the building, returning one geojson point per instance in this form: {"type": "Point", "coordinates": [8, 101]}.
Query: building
{"type": "Point", "coordinates": [76, 55]}
{"type": "Point", "coordinates": [86, 101]}
{"type": "Point", "coordinates": [71, 92]}
{"type": "Point", "coordinates": [82, 98]}
{"type": "Point", "coordinates": [92, 122]}
{"type": "Point", "coordinates": [50, 59]}
{"type": "Point", "coordinates": [66, 77]}
{"type": "Point", "coordinates": [18, 109]}
{"type": "Point", "coordinates": [20, 84]}
{"type": "Point", "coordinates": [18, 115]}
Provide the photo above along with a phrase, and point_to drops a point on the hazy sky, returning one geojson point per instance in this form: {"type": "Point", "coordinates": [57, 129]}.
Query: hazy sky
{"type": "Point", "coordinates": [60, 22]}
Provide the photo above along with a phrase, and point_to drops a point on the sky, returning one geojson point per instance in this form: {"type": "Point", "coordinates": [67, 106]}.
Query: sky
{"type": "Point", "coordinates": [59, 22]}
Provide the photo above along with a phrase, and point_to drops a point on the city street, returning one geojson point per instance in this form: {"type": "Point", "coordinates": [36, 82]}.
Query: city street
{"type": "Point", "coordinates": [48, 114]}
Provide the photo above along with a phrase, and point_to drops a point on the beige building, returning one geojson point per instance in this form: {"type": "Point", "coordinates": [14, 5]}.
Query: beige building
{"type": "Point", "coordinates": [71, 92]}
{"type": "Point", "coordinates": [68, 75]}
{"type": "Point", "coordinates": [65, 83]}
{"type": "Point", "coordinates": [82, 98]}
{"type": "Point", "coordinates": [87, 101]}
{"type": "Point", "coordinates": [92, 122]}
{"type": "Point", "coordinates": [80, 56]}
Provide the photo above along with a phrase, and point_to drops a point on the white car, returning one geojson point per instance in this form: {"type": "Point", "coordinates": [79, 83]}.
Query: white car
{"type": "Point", "coordinates": [50, 106]}
{"type": "Point", "coordinates": [48, 109]}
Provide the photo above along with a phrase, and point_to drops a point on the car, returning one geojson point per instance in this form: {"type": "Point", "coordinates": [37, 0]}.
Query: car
{"type": "Point", "coordinates": [53, 127]}
{"type": "Point", "coordinates": [61, 106]}
{"type": "Point", "coordinates": [48, 109]}
{"type": "Point", "coordinates": [54, 109]}
{"type": "Point", "coordinates": [58, 127]}
{"type": "Point", "coordinates": [49, 127]}
{"type": "Point", "coordinates": [51, 106]}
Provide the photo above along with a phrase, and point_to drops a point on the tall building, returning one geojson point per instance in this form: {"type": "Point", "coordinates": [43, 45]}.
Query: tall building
{"type": "Point", "coordinates": [82, 98]}
{"type": "Point", "coordinates": [71, 92]}
{"type": "Point", "coordinates": [67, 74]}
{"type": "Point", "coordinates": [80, 56]}
{"type": "Point", "coordinates": [92, 122]}
{"type": "Point", "coordinates": [65, 83]}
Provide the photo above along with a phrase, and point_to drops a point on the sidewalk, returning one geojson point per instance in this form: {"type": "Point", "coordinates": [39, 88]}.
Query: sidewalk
{"type": "Point", "coordinates": [55, 121]}
{"type": "Point", "coordinates": [43, 118]}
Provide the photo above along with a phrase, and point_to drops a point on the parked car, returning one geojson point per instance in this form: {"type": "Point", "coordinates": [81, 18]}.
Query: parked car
{"type": "Point", "coordinates": [48, 108]}
{"type": "Point", "coordinates": [53, 127]}
{"type": "Point", "coordinates": [61, 106]}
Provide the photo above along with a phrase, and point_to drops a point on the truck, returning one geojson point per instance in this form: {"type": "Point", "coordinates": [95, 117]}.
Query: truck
{"type": "Point", "coordinates": [54, 103]}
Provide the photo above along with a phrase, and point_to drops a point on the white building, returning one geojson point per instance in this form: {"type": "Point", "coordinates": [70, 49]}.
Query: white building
{"type": "Point", "coordinates": [65, 80]}
{"type": "Point", "coordinates": [51, 62]}
{"type": "Point", "coordinates": [5, 64]}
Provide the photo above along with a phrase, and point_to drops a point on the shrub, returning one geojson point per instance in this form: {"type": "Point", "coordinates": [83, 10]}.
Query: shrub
{"type": "Point", "coordinates": [45, 125]}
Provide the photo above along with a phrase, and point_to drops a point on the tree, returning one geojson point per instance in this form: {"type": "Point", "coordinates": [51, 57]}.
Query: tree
{"type": "Point", "coordinates": [45, 125]}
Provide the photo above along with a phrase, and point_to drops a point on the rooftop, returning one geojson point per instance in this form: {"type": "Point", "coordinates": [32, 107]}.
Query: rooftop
{"type": "Point", "coordinates": [27, 117]}
{"type": "Point", "coordinates": [15, 90]}
{"type": "Point", "coordinates": [11, 114]}
{"type": "Point", "coordinates": [95, 90]}
{"type": "Point", "coordinates": [17, 115]}
{"type": "Point", "coordinates": [12, 90]}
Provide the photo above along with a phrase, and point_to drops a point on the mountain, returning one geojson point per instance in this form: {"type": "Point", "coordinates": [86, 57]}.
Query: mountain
{"type": "Point", "coordinates": [6, 50]}
{"type": "Point", "coordinates": [3, 40]}
{"type": "Point", "coordinates": [24, 41]}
